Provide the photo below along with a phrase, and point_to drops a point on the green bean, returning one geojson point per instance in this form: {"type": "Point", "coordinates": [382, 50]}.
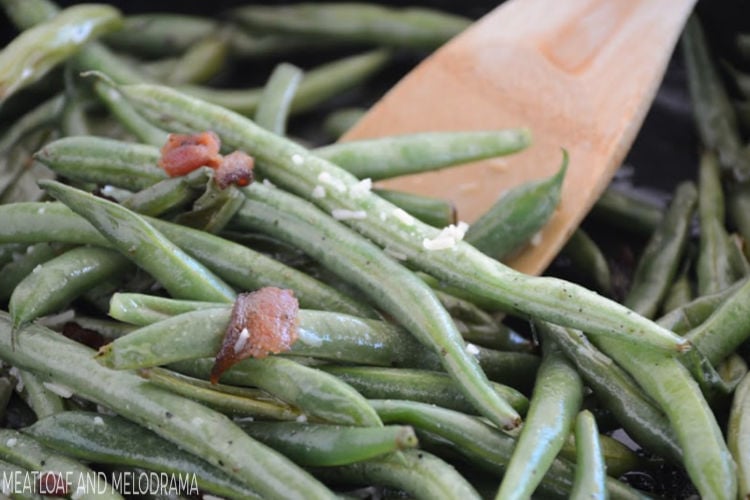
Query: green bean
{"type": "Point", "coordinates": [135, 238]}
{"type": "Point", "coordinates": [25, 187]}
{"type": "Point", "coordinates": [110, 330]}
{"type": "Point", "coordinates": [557, 397]}
{"type": "Point", "coordinates": [103, 161]}
{"type": "Point", "coordinates": [618, 458]}
{"type": "Point", "coordinates": [418, 473]}
{"type": "Point", "coordinates": [341, 120]}
{"type": "Point", "coordinates": [712, 109]}
{"type": "Point", "coordinates": [169, 194]}
{"type": "Point", "coordinates": [318, 84]}
{"type": "Point", "coordinates": [713, 267]}
{"type": "Point", "coordinates": [45, 113]}
{"type": "Point", "coordinates": [73, 120]}
{"type": "Point", "coordinates": [436, 212]}
{"type": "Point", "coordinates": [113, 440]}
{"type": "Point", "coordinates": [17, 161]}
{"type": "Point", "coordinates": [134, 123]}
{"type": "Point", "coordinates": [248, 402]}
{"type": "Point", "coordinates": [37, 50]}
{"type": "Point", "coordinates": [28, 453]}
{"type": "Point", "coordinates": [393, 156]}
{"type": "Point", "coordinates": [279, 159]}
{"type": "Point", "coordinates": [590, 476]}
{"type": "Point", "coordinates": [362, 23]}
{"type": "Point", "coordinates": [738, 204]}
{"type": "Point", "coordinates": [42, 400]}
{"type": "Point", "coordinates": [316, 445]}
{"type": "Point", "coordinates": [213, 210]}
{"type": "Point", "coordinates": [24, 13]}
{"type": "Point", "coordinates": [417, 385]}
{"type": "Point", "coordinates": [738, 434]}
{"type": "Point", "coordinates": [175, 418]}
{"type": "Point", "coordinates": [617, 392]}
{"type": "Point", "coordinates": [10, 252]}
{"type": "Point", "coordinates": [660, 259]}
{"type": "Point", "coordinates": [731, 371]}
{"type": "Point", "coordinates": [737, 257]}
{"type": "Point", "coordinates": [201, 62]}
{"type": "Point", "coordinates": [158, 35]}
{"type": "Point", "coordinates": [16, 271]}
{"type": "Point", "coordinates": [695, 312]}
{"type": "Point", "coordinates": [15, 471]}
{"type": "Point", "coordinates": [245, 44]}
{"type": "Point", "coordinates": [139, 309]}
{"type": "Point", "coordinates": [586, 257]}
{"type": "Point", "coordinates": [680, 293]}
{"type": "Point", "coordinates": [627, 210]}
{"type": "Point", "coordinates": [319, 395]}
{"type": "Point", "coordinates": [54, 284]}
{"type": "Point", "coordinates": [277, 97]}
{"type": "Point", "coordinates": [517, 216]}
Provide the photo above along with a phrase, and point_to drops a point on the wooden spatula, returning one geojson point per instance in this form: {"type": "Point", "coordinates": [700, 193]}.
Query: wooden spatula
{"type": "Point", "coordinates": [581, 74]}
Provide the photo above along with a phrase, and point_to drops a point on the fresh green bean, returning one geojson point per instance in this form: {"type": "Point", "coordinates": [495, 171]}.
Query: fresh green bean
{"type": "Point", "coordinates": [587, 258]}
{"type": "Point", "coordinates": [277, 98]}
{"type": "Point", "coordinates": [341, 120]}
{"type": "Point", "coordinates": [141, 310]}
{"type": "Point", "coordinates": [695, 312]}
{"type": "Point", "coordinates": [113, 440]}
{"type": "Point", "coordinates": [43, 401]}
{"type": "Point", "coordinates": [73, 120]}
{"type": "Point", "coordinates": [714, 116]}
{"type": "Point", "coordinates": [627, 210]}
{"type": "Point", "coordinates": [356, 22]}
{"type": "Point", "coordinates": [16, 271]}
{"type": "Point", "coordinates": [680, 293]}
{"type": "Point", "coordinates": [52, 357]}
{"type": "Point", "coordinates": [436, 212]}
{"type": "Point", "coordinates": [557, 397]}
{"type": "Point", "coordinates": [318, 84]}
{"type": "Point", "coordinates": [316, 445]}
{"type": "Point", "coordinates": [135, 238]}
{"type": "Point", "coordinates": [591, 472]}
{"type": "Point", "coordinates": [54, 284]}
{"type": "Point", "coordinates": [134, 123]}
{"type": "Point", "coordinates": [37, 50]}
{"type": "Point", "coordinates": [517, 216]}
{"type": "Point", "coordinates": [661, 258]}
{"type": "Point", "coordinates": [28, 453]}
{"type": "Point", "coordinates": [393, 156]}
{"type": "Point", "coordinates": [738, 435]}
{"type": "Point", "coordinates": [417, 385]}
{"type": "Point", "coordinates": [160, 34]}
{"type": "Point", "coordinates": [201, 62]}
{"type": "Point", "coordinates": [282, 161]}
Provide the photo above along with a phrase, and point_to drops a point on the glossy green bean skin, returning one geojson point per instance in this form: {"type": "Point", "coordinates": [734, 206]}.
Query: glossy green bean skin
{"type": "Point", "coordinates": [28, 453]}
{"type": "Point", "coordinates": [586, 257]}
{"type": "Point", "coordinates": [356, 22]}
{"type": "Point", "coordinates": [713, 267]}
{"type": "Point", "coordinates": [436, 212]}
{"type": "Point", "coordinates": [15, 272]}
{"type": "Point", "coordinates": [658, 264]}
{"type": "Point", "coordinates": [144, 130]}
{"type": "Point", "coordinates": [714, 116]}
{"type": "Point", "coordinates": [65, 362]}
{"type": "Point", "coordinates": [406, 154]}
{"type": "Point", "coordinates": [316, 445]}
{"type": "Point", "coordinates": [617, 392]}
{"type": "Point", "coordinates": [37, 50]}
{"type": "Point", "coordinates": [550, 299]}
{"type": "Point", "coordinates": [107, 439]}
{"type": "Point", "coordinates": [417, 385]}
{"type": "Point", "coordinates": [277, 98]}
{"type": "Point", "coordinates": [180, 274]}
{"type": "Point", "coordinates": [103, 161]}
{"type": "Point", "coordinates": [517, 216]}
{"type": "Point", "coordinates": [61, 279]}
{"type": "Point", "coordinates": [557, 397]}
{"type": "Point", "coordinates": [159, 35]}
{"type": "Point", "coordinates": [43, 401]}
{"type": "Point", "coordinates": [738, 435]}
{"type": "Point", "coordinates": [628, 211]}
{"type": "Point", "coordinates": [695, 312]}
{"type": "Point", "coordinates": [591, 471]}
{"type": "Point", "coordinates": [319, 395]}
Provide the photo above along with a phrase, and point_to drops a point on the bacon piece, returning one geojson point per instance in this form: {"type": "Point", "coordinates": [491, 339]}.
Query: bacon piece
{"type": "Point", "coordinates": [184, 153]}
{"type": "Point", "coordinates": [265, 321]}
{"type": "Point", "coordinates": [235, 168]}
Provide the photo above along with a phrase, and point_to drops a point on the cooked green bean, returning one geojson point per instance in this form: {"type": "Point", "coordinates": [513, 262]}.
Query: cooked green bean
{"type": "Point", "coordinates": [356, 22]}
{"type": "Point", "coordinates": [591, 472]}
{"type": "Point", "coordinates": [140, 309]}
{"type": "Point", "coordinates": [550, 299]}
{"type": "Point", "coordinates": [169, 194]}
{"type": "Point", "coordinates": [618, 458]}
{"type": "Point", "coordinates": [55, 283]}
{"type": "Point", "coordinates": [738, 435]}
{"type": "Point", "coordinates": [10, 252]}
{"type": "Point", "coordinates": [25, 451]}
{"type": "Point", "coordinates": [134, 123]}
{"type": "Point", "coordinates": [278, 94]}
{"type": "Point", "coordinates": [110, 330]}
{"type": "Point", "coordinates": [201, 62]}
{"type": "Point", "coordinates": [695, 312]}
{"type": "Point", "coordinates": [341, 120]}
{"type": "Point", "coordinates": [45, 113]}
{"type": "Point", "coordinates": [54, 358]}
{"type": "Point", "coordinates": [317, 445]}
{"type": "Point", "coordinates": [213, 209]}
{"type": "Point", "coordinates": [106, 439]}
{"type": "Point", "coordinates": [557, 397]}
{"type": "Point", "coordinates": [436, 212]}
{"type": "Point", "coordinates": [627, 210]}
{"type": "Point", "coordinates": [680, 293]}
{"type": "Point", "coordinates": [25, 13]}
{"type": "Point", "coordinates": [43, 401]}
{"type": "Point", "coordinates": [587, 258]}
{"type": "Point", "coordinates": [738, 204]}
{"type": "Point", "coordinates": [37, 50]}
{"type": "Point", "coordinates": [405, 154]}
{"type": "Point", "coordinates": [417, 385]}
{"type": "Point", "coordinates": [14, 272]}
{"type": "Point", "coordinates": [661, 258]}
{"type": "Point", "coordinates": [135, 238]}
{"type": "Point", "coordinates": [158, 35]}
{"type": "Point", "coordinates": [73, 120]}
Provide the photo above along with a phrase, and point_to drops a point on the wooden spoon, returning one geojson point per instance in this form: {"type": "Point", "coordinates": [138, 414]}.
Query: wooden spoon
{"type": "Point", "coordinates": [581, 74]}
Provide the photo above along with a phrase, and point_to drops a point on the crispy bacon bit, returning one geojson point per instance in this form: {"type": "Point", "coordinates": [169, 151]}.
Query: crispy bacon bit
{"type": "Point", "coordinates": [184, 153]}
{"type": "Point", "coordinates": [262, 322]}
{"type": "Point", "coordinates": [235, 168]}
{"type": "Point", "coordinates": [53, 484]}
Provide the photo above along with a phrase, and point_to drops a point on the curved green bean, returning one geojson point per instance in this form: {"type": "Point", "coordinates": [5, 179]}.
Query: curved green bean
{"type": "Point", "coordinates": [134, 123]}
{"type": "Point", "coordinates": [591, 472]}
{"type": "Point", "coordinates": [695, 312]}
{"type": "Point", "coordinates": [277, 98]}
{"type": "Point", "coordinates": [738, 435]}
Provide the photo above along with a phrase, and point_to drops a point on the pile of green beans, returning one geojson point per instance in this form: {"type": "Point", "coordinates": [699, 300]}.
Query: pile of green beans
{"type": "Point", "coordinates": [424, 366]}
